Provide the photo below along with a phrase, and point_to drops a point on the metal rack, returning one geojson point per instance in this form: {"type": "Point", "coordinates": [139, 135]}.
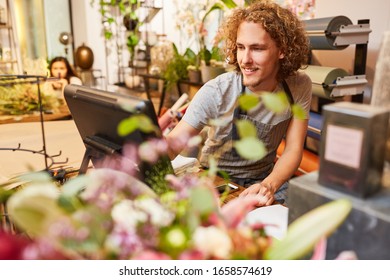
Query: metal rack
{"type": "Point", "coordinates": [10, 80]}
{"type": "Point", "coordinates": [10, 58]}
{"type": "Point", "coordinates": [337, 33]}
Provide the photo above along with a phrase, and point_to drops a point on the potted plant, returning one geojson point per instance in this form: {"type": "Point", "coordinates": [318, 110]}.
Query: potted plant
{"type": "Point", "coordinates": [177, 69]}
{"type": "Point", "coordinates": [194, 73]}
{"type": "Point", "coordinates": [127, 16]}
{"type": "Point", "coordinates": [212, 63]}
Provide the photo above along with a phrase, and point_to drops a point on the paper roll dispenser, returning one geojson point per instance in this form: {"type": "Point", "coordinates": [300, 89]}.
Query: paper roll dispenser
{"type": "Point", "coordinates": [330, 82]}
{"type": "Point", "coordinates": [333, 33]}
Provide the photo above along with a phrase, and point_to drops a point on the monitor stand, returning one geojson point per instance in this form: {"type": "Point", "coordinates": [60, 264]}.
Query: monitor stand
{"type": "Point", "coordinates": [96, 148]}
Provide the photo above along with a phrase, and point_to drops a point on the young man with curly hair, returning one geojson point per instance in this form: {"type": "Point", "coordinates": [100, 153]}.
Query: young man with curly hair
{"type": "Point", "coordinates": [267, 45]}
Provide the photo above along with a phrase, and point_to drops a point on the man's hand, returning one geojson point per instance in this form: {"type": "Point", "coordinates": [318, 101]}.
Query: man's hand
{"type": "Point", "coordinates": [263, 192]}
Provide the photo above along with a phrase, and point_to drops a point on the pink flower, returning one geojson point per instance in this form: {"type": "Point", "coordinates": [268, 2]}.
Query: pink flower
{"type": "Point", "coordinates": [45, 249]}
{"type": "Point", "coordinates": [192, 255]}
{"type": "Point", "coordinates": [235, 211]}
{"type": "Point", "coordinates": [151, 255]}
{"type": "Point", "coordinates": [320, 252]}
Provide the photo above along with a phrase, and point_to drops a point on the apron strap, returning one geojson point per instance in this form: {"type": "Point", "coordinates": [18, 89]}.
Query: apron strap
{"type": "Point", "coordinates": [237, 112]}
{"type": "Point", "coordinates": [288, 92]}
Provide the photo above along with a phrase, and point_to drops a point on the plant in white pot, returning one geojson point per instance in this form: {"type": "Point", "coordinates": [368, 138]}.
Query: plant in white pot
{"type": "Point", "coordinates": [212, 64]}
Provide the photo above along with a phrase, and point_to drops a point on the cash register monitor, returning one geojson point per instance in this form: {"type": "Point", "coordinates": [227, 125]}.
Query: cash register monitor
{"type": "Point", "coordinates": [97, 114]}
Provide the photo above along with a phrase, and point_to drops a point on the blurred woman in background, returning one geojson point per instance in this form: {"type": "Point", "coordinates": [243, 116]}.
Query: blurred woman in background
{"type": "Point", "coordinates": [60, 68]}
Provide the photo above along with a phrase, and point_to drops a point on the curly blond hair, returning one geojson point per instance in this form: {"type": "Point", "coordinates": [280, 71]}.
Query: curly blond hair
{"type": "Point", "coordinates": [281, 24]}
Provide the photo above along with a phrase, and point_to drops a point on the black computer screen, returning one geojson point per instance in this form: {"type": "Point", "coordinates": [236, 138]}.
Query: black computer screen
{"type": "Point", "coordinates": [97, 114]}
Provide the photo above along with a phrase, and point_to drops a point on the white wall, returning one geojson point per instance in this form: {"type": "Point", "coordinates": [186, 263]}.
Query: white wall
{"type": "Point", "coordinates": [55, 25]}
{"type": "Point", "coordinates": [87, 29]}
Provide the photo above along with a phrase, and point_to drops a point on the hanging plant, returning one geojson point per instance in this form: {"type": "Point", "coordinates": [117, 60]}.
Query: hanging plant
{"type": "Point", "coordinates": [127, 9]}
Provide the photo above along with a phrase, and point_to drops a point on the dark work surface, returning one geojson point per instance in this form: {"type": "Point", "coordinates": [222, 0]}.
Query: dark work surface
{"type": "Point", "coordinates": [366, 230]}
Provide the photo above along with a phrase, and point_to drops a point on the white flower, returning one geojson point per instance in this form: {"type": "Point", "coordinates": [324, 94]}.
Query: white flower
{"type": "Point", "coordinates": [126, 215]}
{"type": "Point", "coordinates": [213, 241]}
{"type": "Point", "coordinates": [159, 215]}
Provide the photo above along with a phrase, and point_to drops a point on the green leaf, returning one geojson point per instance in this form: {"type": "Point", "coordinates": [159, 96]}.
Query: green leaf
{"type": "Point", "coordinates": [276, 102]}
{"type": "Point", "coordinates": [74, 187]}
{"type": "Point", "coordinates": [133, 123]}
{"type": "Point", "coordinates": [216, 6]}
{"type": "Point", "coordinates": [175, 49]}
{"type": "Point", "coordinates": [190, 54]}
{"type": "Point", "coordinates": [69, 204]}
{"type": "Point", "coordinates": [298, 112]}
{"type": "Point", "coordinates": [229, 4]}
{"type": "Point", "coordinates": [127, 126]}
{"type": "Point", "coordinates": [202, 201]}
{"type": "Point", "coordinates": [216, 54]}
{"type": "Point", "coordinates": [205, 54]}
{"type": "Point", "coordinates": [248, 101]}
{"type": "Point", "coordinates": [5, 194]}
{"type": "Point", "coordinates": [34, 208]}
{"type": "Point", "coordinates": [307, 230]}
{"type": "Point", "coordinates": [213, 166]}
{"type": "Point", "coordinates": [108, 34]}
{"type": "Point", "coordinates": [132, 40]}
{"type": "Point", "coordinates": [145, 124]}
{"type": "Point", "coordinates": [36, 177]}
{"type": "Point", "coordinates": [250, 148]}
{"type": "Point", "coordinates": [246, 129]}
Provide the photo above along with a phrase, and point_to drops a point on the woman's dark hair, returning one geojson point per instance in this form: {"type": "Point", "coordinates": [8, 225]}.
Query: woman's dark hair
{"type": "Point", "coordinates": [69, 69]}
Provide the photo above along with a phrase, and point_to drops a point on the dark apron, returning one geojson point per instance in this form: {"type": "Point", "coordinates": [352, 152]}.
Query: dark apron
{"type": "Point", "coordinates": [270, 134]}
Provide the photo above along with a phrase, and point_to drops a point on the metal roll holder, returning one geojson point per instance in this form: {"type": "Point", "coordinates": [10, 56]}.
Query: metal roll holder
{"type": "Point", "coordinates": [330, 84]}
{"type": "Point", "coordinates": [338, 32]}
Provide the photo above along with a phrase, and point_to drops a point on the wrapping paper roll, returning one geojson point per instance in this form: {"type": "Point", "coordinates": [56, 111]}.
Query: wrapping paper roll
{"type": "Point", "coordinates": [319, 32]}
{"type": "Point", "coordinates": [321, 77]}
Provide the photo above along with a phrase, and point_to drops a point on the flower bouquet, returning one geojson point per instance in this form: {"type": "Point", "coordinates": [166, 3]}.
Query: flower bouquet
{"type": "Point", "coordinates": [109, 213]}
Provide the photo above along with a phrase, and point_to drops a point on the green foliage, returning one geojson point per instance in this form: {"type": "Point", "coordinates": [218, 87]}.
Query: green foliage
{"type": "Point", "coordinates": [276, 102]}
{"type": "Point", "coordinates": [32, 206]}
{"type": "Point", "coordinates": [136, 122]}
{"type": "Point", "coordinates": [248, 101]}
{"type": "Point", "coordinates": [208, 56]}
{"type": "Point", "coordinates": [110, 23]}
{"type": "Point", "coordinates": [177, 69]}
{"type": "Point", "coordinates": [249, 146]}
{"type": "Point", "coordinates": [298, 112]}
{"type": "Point", "coordinates": [132, 42]}
{"type": "Point", "coordinates": [19, 99]}
{"type": "Point", "coordinates": [246, 129]}
{"type": "Point", "coordinates": [201, 201]}
{"type": "Point", "coordinates": [205, 54]}
{"type": "Point", "coordinates": [230, 4]}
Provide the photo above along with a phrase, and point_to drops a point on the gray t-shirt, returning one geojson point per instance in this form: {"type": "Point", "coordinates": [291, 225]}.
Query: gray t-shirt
{"type": "Point", "coordinates": [217, 100]}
